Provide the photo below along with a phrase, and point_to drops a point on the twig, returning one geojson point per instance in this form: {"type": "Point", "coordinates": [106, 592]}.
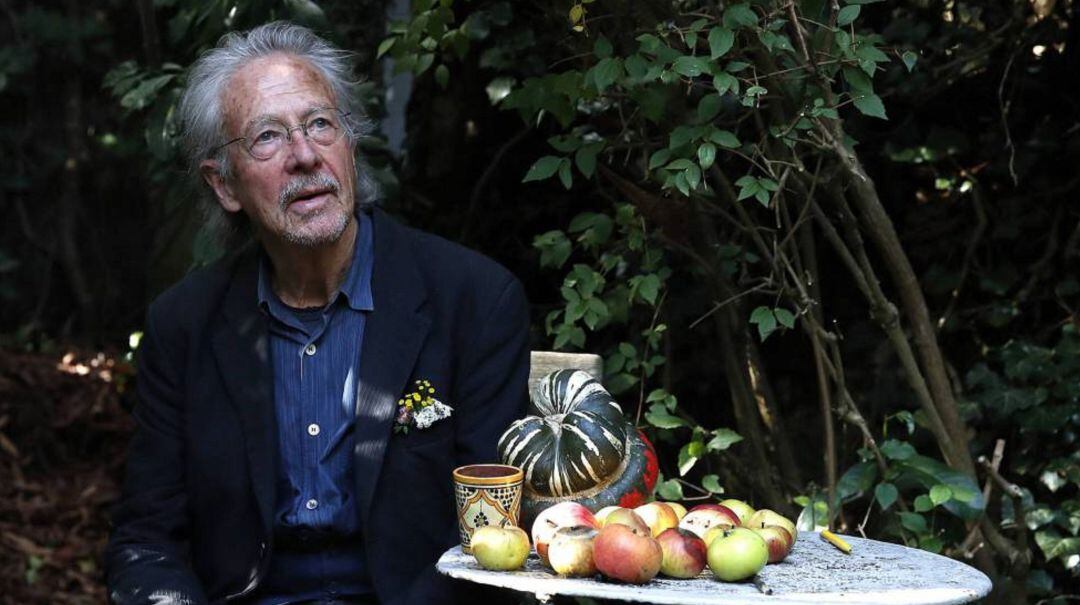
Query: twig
{"type": "Point", "coordinates": [727, 301]}
{"type": "Point", "coordinates": [1004, 106]}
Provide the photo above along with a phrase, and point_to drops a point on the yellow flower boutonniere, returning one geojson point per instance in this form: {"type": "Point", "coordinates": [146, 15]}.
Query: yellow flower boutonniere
{"type": "Point", "coordinates": [419, 408]}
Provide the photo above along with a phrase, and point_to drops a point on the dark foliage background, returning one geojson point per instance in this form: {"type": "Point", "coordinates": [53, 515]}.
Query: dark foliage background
{"type": "Point", "coordinates": [739, 319]}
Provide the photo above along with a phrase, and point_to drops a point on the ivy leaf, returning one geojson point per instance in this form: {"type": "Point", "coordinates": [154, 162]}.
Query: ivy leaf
{"type": "Point", "coordinates": [585, 158]}
{"type": "Point", "coordinates": [564, 173]}
{"type": "Point", "coordinates": [659, 417]}
{"type": "Point", "coordinates": [708, 108]}
{"type": "Point", "coordinates": [725, 139]}
{"type": "Point", "coordinates": [858, 81]}
{"type": "Point", "coordinates": [765, 321]}
{"type": "Point", "coordinates": [923, 503]}
{"type": "Point", "coordinates": [885, 494]}
{"type": "Point", "coordinates": [724, 82]}
{"type": "Point", "coordinates": [897, 450]}
{"type": "Point", "coordinates": [785, 317]}
{"type": "Point", "coordinates": [602, 49]}
{"type": "Point", "coordinates": [544, 168]}
{"type": "Point", "coordinates": [723, 439]}
{"type": "Point", "coordinates": [712, 483]}
{"type": "Point", "coordinates": [693, 176]}
{"type": "Point", "coordinates": [385, 46]}
{"type": "Point", "coordinates": [669, 490]}
{"type": "Point", "coordinates": [721, 39]}
{"type": "Point", "coordinates": [847, 15]}
{"type": "Point", "coordinates": [686, 460]}
{"type": "Point", "coordinates": [554, 248]}
{"type": "Point", "coordinates": [909, 58]}
{"type": "Point", "coordinates": [871, 105]}
{"type": "Point", "coordinates": [913, 522]}
{"type": "Point", "coordinates": [856, 481]}
{"type": "Point", "coordinates": [658, 158]}
{"type": "Point", "coordinates": [606, 72]}
{"type": "Point", "coordinates": [940, 494]}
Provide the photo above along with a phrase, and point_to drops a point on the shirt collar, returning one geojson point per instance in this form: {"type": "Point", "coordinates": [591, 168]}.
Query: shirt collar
{"type": "Point", "coordinates": [356, 287]}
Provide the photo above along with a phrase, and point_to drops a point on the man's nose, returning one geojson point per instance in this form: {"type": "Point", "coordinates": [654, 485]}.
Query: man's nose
{"type": "Point", "coordinates": [302, 153]}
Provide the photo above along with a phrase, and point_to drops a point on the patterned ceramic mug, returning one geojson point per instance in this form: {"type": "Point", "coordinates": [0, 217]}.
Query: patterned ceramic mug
{"type": "Point", "coordinates": [487, 494]}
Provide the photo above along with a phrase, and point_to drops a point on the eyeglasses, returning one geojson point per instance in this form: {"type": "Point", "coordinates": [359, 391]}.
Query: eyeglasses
{"type": "Point", "coordinates": [266, 138]}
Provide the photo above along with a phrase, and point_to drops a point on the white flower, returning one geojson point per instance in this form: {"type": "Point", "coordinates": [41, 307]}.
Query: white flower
{"type": "Point", "coordinates": [431, 414]}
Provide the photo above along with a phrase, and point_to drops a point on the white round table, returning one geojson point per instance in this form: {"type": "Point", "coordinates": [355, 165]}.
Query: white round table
{"type": "Point", "coordinates": [875, 573]}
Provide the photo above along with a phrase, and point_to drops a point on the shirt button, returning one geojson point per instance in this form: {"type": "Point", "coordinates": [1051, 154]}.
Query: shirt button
{"type": "Point", "coordinates": [312, 504]}
{"type": "Point", "coordinates": [312, 429]}
{"type": "Point", "coordinates": [310, 350]}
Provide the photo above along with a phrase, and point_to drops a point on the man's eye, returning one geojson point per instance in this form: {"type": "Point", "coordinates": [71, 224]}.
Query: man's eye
{"type": "Point", "coordinates": [267, 136]}
{"type": "Point", "coordinates": [320, 123]}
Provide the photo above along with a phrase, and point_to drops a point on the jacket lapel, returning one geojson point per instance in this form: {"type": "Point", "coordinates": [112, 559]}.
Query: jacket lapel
{"type": "Point", "coordinates": [393, 336]}
{"type": "Point", "coordinates": [241, 344]}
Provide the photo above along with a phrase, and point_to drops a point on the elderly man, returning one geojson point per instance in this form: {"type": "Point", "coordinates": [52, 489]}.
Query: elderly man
{"type": "Point", "coordinates": [276, 460]}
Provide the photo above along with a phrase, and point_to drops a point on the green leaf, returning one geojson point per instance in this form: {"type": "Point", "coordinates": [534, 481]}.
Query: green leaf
{"type": "Point", "coordinates": [897, 450]}
{"type": "Point", "coordinates": [564, 173]}
{"type": "Point", "coordinates": [765, 321]}
{"type": "Point", "coordinates": [606, 72]}
{"type": "Point", "coordinates": [885, 494]}
{"type": "Point", "coordinates": [940, 494]}
{"type": "Point", "coordinates": [740, 15]}
{"type": "Point", "coordinates": [602, 49]}
{"type": "Point", "coordinates": [706, 155]}
{"type": "Point", "coordinates": [721, 39]}
{"type": "Point", "coordinates": [442, 75]}
{"type": "Point", "coordinates": [856, 481]}
{"type": "Point", "coordinates": [669, 490]}
{"type": "Point", "coordinates": [385, 46]}
{"type": "Point", "coordinates": [585, 158]}
{"type": "Point", "coordinates": [659, 158]}
{"type": "Point", "coordinates": [847, 15]}
{"type": "Point", "coordinates": [909, 58]}
{"type": "Point", "coordinates": [686, 460]}
{"type": "Point", "coordinates": [709, 107]}
{"type": "Point", "coordinates": [690, 66]}
{"type": "Point", "coordinates": [554, 248]}
{"type": "Point", "coordinates": [923, 503]}
{"type": "Point", "coordinates": [725, 139]}
{"type": "Point", "coordinates": [967, 500]}
{"type": "Point", "coordinates": [913, 522]}
{"type": "Point", "coordinates": [659, 417]}
{"type": "Point", "coordinates": [723, 439]}
{"type": "Point", "coordinates": [544, 168]}
{"type": "Point", "coordinates": [724, 82]}
{"type": "Point", "coordinates": [859, 82]}
{"type": "Point", "coordinates": [693, 176]}
{"type": "Point", "coordinates": [712, 483]}
{"type": "Point", "coordinates": [871, 105]}
{"type": "Point", "coordinates": [785, 317]}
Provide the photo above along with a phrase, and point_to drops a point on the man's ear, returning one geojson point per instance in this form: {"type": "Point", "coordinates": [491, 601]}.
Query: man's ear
{"type": "Point", "coordinates": [211, 173]}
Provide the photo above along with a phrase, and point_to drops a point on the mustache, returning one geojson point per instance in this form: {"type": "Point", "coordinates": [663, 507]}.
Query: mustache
{"type": "Point", "coordinates": [306, 182]}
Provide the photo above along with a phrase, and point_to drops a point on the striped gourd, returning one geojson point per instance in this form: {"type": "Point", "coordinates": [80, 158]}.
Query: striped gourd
{"type": "Point", "coordinates": [574, 440]}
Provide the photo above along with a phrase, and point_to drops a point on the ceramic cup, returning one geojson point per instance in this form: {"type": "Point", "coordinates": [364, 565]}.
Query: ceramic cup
{"type": "Point", "coordinates": [487, 494]}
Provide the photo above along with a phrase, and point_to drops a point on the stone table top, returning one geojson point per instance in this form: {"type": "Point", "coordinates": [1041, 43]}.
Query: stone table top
{"type": "Point", "coordinates": [815, 572]}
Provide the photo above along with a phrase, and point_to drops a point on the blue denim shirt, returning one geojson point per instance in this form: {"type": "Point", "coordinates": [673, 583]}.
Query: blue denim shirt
{"type": "Point", "coordinates": [315, 356]}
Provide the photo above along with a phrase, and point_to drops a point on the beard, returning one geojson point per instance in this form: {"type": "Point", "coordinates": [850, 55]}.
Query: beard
{"type": "Point", "coordinates": [319, 227]}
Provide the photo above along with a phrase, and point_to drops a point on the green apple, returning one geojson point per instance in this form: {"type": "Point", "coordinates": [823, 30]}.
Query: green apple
{"type": "Point", "coordinates": [737, 554]}
{"type": "Point", "coordinates": [500, 548]}
{"type": "Point", "coordinates": [740, 508]}
{"type": "Point", "coordinates": [766, 517]}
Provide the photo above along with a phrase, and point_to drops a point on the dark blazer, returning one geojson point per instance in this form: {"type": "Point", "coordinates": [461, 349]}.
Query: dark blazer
{"type": "Point", "coordinates": [194, 521]}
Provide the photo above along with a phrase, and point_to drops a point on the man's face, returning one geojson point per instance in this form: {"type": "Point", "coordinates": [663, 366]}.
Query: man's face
{"type": "Point", "coordinates": [303, 195]}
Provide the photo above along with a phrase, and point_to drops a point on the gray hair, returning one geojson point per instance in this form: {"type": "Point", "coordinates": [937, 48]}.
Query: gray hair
{"type": "Point", "coordinates": [202, 120]}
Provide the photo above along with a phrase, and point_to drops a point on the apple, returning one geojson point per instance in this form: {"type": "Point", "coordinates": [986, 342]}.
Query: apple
{"type": "Point", "coordinates": [685, 554]}
{"type": "Point", "coordinates": [777, 539]}
{"type": "Point", "coordinates": [563, 514]}
{"type": "Point", "coordinates": [766, 517]}
{"type": "Point", "coordinates": [714, 531]}
{"type": "Point", "coordinates": [500, 548]}
{"type": "Point", "coordinates": [740, 508]}
{"type": "Point", "coordinates": [604, 512]}
{"type": "Point", "coordinates": [627, 517]}
{"type": "Point", "coordinates": [737, 554]}
{"type": "Point", "coordinates": [700, 520]}
{"type": "Point", "coordinates": [658, 516]}
{"type": "Point", "coordinates": [680, 510]}
{"type": "Point", "coordinates": [571, 551]}
{"type": "Point", "coordinates": [627, 554]}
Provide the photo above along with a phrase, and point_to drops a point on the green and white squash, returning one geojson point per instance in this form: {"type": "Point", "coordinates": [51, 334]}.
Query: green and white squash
{"type": "Point", "coordinates": [577, 445]}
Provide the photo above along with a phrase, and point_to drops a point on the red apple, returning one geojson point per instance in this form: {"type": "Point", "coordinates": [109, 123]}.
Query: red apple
{"type": "Point", "coordinates": [700, 520]}
{"type": "Point", "coordinates": [737, 554]}
{"type": "Point", "coordinates": [658, 516]}
{"type": "Point", "coordinates": [563, 514]}
{"type": "Point", "coordinates": [740, 508]}
{"type": "Point", "coordinates": [627, 517]}
{"type": "Point", "coordinates": [777, 539]}
{"type": "Point", "coordinates": [604, 512]}
{"type": "Point", "coordinates": [571, 551]}
{"type": "Point", "coordinates": [627, 554]}
{"type": "Point", "coordinates": [680, 510]}
{"type": "Point", "coordinates": [766, 517]}
{"type": "Point", "coordinates": [684, 553]}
